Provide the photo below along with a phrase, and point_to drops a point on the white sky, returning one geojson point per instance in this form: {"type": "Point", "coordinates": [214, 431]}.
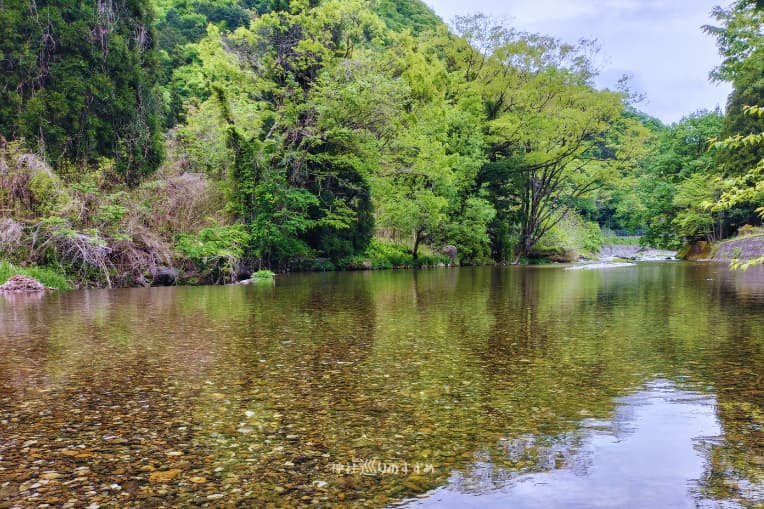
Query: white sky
{"type": "Point", "coordinates": [658, 42]}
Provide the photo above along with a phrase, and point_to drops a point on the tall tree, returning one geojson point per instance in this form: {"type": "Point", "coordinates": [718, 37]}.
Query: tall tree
{"type": "Point", "coordinates": [666, 192]}
{"type": "Point", "coordinates": [740, 38]}
{"type": "Point", "coordinates": [545, 125]}
{"type": "Point", "coordinates": [79, 82]}
{"type": "Point", "coordinates": [426, 189]}
{"type": "Point", "coordinates": [308, 127]}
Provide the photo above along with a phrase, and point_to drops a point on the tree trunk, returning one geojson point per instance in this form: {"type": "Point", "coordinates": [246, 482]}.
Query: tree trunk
{"type": "Point", "coordinates": [418, 237]}
{"type": "Point", "coordinates": [525, 248]}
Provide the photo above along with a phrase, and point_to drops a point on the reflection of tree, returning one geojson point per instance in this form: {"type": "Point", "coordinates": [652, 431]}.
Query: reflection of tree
{"type": "Point", "coordinates": [485, 373]}
{"type": "Point", "coordinates": [723, 324]}
{"type": "Point", "coordinates": [511, 458]}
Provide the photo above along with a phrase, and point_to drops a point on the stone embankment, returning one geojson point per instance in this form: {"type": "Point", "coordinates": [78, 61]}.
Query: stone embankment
{"type": "Point", "coordinates": [745, 249]}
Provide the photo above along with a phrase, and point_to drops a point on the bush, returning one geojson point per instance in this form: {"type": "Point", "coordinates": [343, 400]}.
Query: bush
{"type": "Point", "coordinates": [431, 261]}
{"type": "Point", "coordinates": [387, 255]}
{"type": "Point", "coordinates": [45, 193]}
{"type": "Point", "coordinates": [572, 236]}
{"type": "Point", "coordinates": [263, 274]}
{"type": "Point", "coordinates": [216, 251]}
{"type": "Point", "coordinates": [383, 255]}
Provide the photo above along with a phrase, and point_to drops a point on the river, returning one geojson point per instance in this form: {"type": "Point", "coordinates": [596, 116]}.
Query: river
{"type": "Point", "coordinates": [522, 387]}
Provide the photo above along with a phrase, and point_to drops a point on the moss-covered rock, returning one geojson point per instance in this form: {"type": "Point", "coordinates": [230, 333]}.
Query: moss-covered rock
{"type": "Point", "coordinates": [700, 250]}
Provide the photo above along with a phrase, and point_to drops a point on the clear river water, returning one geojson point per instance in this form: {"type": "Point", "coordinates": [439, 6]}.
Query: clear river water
{"type": "Point", "coordinates": [516, 387]}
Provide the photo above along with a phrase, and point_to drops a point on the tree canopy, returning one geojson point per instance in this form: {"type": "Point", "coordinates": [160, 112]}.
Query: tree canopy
{"type": "Point", "coordinates": [327, 130]}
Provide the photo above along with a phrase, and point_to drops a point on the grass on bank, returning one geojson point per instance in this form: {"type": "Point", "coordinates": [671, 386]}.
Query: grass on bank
{"type": "Point", "coordinates": [45, 275]}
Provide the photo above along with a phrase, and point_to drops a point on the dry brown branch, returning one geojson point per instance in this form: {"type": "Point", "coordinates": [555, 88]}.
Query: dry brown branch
{"type": "Point", "coordinates": [11, 234]}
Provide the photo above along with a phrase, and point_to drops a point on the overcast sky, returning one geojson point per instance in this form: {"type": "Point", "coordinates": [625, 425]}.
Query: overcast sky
{"type": "Point", "coordinates": [658, 42]}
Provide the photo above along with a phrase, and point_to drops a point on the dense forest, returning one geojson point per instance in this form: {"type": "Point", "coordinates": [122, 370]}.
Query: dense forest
{"type": "Point", "coordinates": [204, 140]}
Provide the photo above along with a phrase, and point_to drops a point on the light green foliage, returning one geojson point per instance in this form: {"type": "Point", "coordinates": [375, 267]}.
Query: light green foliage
{"type": "Point", "coordinates": [263, 274]}
{"type": "Point", "coordinates": [216, 250]}
{"type": "Point", "coordinates": [388, 255]}
{"type": "Point", "coordinates": [546, 124]}
{"type": "Point", "coordinates": [425, 190]}
{"type": "Point", "coordinates": [384, 255]}
{"type": "Point", "coordinates": [111, 214]}
{"type": "Point", "coordinates": [691, 200]}
{"type": "Point", "coordinates": [667, 191]}
{"type": "Point", "coordinates": [402, 15]}
{"type": "Point", "coordinates": [416, 187]}
{"type": "Point", "coordinates": [212, 66]}
{"type": "Point", "coordinates": [281, 214]}
{"type": "Point", "coordinates": [572, 236]}
{"type": "Point", "coordinates": [45, 192]}
{"type": "Point", "coordinates": [740, 39]}
{"type": "Point", "coordinates": [470, 232]}
{"type": "Point", "coordinates": [750, 187]}
{"type": "Point", "coordinates": [211, 243]}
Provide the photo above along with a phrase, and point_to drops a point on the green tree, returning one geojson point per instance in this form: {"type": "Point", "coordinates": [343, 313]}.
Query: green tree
{"type": "Point", "coordinates": [400, 15]}
{"type": "Point", "coordinates": [740, 39]}
{"type": "Point", "coordinates": [545, 124]}
{"type": "Point", "coordinates": [79, 82]}
{"type": "Point", "coordinates": [427, 190]}
{"type": "Point", "coordinates": [306, 115]}
{"type": "Point", "coordinates": [750, 187]}
{"type": "Point", "coordinates": [666, 192]}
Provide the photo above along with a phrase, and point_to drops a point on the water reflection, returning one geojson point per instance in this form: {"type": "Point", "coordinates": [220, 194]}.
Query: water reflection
{"type": "Point", "coordinates": [495, 377]}
{"type": "Point", "coordinates": [649, 455]}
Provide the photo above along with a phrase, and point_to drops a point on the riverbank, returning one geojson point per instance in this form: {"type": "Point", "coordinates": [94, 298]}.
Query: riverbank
{"type": "Point", "coordinates": [213, 271]}
{"type": "Point", "coordinates": [744, 249]}
{"type": "Point", "coordinates": [740, 250]}
{"type": "Point", "coordinates": [387, 256]}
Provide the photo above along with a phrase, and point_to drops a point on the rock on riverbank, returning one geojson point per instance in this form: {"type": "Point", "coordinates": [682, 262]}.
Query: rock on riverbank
{"type": "Point", "coordinates": [22, 284]}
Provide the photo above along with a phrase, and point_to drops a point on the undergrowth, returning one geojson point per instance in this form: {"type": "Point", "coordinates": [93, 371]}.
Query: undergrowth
{"type": "Point", "coordinates": [48, 276]}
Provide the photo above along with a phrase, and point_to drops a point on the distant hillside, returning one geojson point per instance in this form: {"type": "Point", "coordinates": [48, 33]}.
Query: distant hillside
{"type": "Point", "coordinates": [183, 21]}
{"type": "Point", "coordinates": [402, 14]}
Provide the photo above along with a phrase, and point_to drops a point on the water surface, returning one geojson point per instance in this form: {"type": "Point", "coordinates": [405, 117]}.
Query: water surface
{"type": "Point", "coordinates": [493, 387]}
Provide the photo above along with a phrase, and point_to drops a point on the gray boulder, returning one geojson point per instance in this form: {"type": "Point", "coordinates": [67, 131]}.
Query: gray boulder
{"type": "Point", "coordinates": [451, 252]}
{"type": "Point", "coordinates": [165, 276]}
